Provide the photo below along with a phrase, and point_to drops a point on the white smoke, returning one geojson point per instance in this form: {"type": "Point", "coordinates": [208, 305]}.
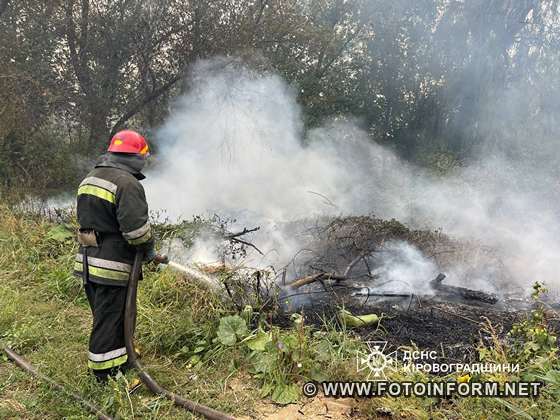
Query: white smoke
{"type": "Point", "coordinates": [403, 268]}
{"type": "Point", "coordinates": [204, 250]}
{"type": "Point", "coordinates": [234, 145]}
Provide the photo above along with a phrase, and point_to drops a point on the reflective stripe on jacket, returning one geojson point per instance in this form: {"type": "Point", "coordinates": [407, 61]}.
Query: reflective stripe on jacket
{"type": "Point", "coordinates": [112, 202]}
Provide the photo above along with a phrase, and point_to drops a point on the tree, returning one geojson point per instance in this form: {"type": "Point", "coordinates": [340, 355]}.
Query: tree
{"type": "Point", "coordinates": [30, 97]}
{"type": "Point", "coordinates": [123, 55]}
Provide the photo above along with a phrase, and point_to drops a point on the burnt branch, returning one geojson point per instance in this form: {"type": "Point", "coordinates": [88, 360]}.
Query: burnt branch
{"type": "Point", "coordinates": [316, 277]}
{"type": "Point", "coordinates": [240, 241]}
{"type": "Point", "coordinates": [243, 232]}
{"type": "Point", "coordinates": [352, 264]}
{"type": "Point", "coordinates": [234, 237]}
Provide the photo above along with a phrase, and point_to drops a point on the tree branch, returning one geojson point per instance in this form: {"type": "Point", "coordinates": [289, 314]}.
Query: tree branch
{"type": "Point", "coordinates": [246, 243]}
{"type": "Point", "coordinates": [75, 58]}
{"type": "Point", "coordinates": [262, 6]}
{"type": "Point", "coordinates": [3, 6]}
{"type": "Point", "coordinates": [140, 104]}
{"type": "Point", "coordinates": [243, 232]}
{"type": "Point", "coordinates": [84, 26]}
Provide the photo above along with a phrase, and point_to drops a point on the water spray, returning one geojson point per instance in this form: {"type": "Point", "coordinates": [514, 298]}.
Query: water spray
{"type": "Point", "coordinates": [194, 273]}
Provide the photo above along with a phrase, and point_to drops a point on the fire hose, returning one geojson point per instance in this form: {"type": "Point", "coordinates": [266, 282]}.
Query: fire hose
{"type": "Point", "coordinates": [129, 321]}
{"type": "Point", "coordinates": [25, 365]}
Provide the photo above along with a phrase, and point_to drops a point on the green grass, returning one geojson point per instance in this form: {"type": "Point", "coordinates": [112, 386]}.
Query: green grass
{"type": "Point", "coordinates": [45, 317]}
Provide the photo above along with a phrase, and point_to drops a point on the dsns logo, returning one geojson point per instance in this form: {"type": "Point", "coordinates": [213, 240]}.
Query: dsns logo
{"type": "Point", "coordinates": [376, 360]}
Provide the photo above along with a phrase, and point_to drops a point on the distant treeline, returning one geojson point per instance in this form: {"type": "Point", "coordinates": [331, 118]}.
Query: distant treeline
{"type": "Point", "coordinates": [434, 79]}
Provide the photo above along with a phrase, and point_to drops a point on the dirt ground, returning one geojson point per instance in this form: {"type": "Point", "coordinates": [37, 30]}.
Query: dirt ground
{"type": "Point", "coordinates": [315, 408]}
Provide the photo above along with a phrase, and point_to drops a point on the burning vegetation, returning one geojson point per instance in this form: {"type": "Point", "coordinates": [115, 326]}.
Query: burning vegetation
{"type": "Point", "coordinates": [376, 276]}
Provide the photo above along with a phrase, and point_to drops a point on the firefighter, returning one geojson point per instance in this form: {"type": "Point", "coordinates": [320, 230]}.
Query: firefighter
{"type": "Point", "coordinates": [113, 216]}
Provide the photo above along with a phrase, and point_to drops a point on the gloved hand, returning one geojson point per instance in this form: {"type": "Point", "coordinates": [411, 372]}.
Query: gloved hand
{"type": "Point", "coordinates": [149, 255]}
{"type": "Point", "coordinates": [161, 259]}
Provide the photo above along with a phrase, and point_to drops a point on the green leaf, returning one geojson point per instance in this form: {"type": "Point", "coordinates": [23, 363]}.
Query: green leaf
{"type": "Point", "coordinates": [551, 377]}
{"type": "Point", "coordinates": [288, 343]}
{"type": "Point", "coordinates": [264, 362]}
{"type": "Point", "coordinates": [285, 394]}
{"type": "Point", "coordinates": [232, 329]}
{"type": "Point", "coordinates": [258, 343]}
{"type": "Point", "coordinates": [266, 389]}
{"type": "Point", "coordinates": [247, 313]}
{"type": "Point", "coordinates": [323, 349]}
{"type": "Point", "coordinates": [194, 359]}
{"type": "Point", "coordinates": [317, 374]}
{"type": "Point", "coordinates": [60, 233]}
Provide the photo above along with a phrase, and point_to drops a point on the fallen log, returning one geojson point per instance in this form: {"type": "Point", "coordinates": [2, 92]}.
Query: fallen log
{"type": "Point", "coordinates": [461, 292]}
{"type": "Point", "coordinates": [442, 290]}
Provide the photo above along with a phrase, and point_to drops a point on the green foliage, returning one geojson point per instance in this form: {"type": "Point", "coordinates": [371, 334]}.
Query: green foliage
{"type": "Point", "coordinates": [259, 341]}
{"type": "Point", "coordinates": [539, 290]}
{"type": "Point", "coordinates": [532, 339]}
{"type": "Point", "coordinates": [552, 378]}
{"type": "Point", "coordinates": [186, 230]}
{"type": "Point", "coordinates": [60, 233]}
{"type": "Point", "coordinates": [37, 161]}
{"type": "Point", "coordinates": [232, 329]}
{"type": "Point", "coordinates": [281, 359]}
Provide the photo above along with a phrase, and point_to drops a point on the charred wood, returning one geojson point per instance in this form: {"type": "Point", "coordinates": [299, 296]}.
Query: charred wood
{"type": "Point", "coordinates": [461, 292]}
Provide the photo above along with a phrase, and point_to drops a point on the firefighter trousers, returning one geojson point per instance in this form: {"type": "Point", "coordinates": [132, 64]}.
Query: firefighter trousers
{"type": "Point", "coordinates": [107, 351]}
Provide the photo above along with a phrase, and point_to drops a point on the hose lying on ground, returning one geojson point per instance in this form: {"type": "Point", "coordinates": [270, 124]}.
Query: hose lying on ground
{"type": "Point", "coordinates": [129, 321]}
{"type": "Point", "coordinates": [25, 365]}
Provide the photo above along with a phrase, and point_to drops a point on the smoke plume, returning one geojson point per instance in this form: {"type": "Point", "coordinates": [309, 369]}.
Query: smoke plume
{"type": "Point", "coordinates": [234, 144]}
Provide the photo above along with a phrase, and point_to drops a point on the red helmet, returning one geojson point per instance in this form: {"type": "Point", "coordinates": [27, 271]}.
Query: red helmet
{"type": "Point", "coordinates": [128, 141]}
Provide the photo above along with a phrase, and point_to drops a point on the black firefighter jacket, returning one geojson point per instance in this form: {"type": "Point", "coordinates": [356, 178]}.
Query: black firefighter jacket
{"type": "Point", "coordinates": [112, 202]}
